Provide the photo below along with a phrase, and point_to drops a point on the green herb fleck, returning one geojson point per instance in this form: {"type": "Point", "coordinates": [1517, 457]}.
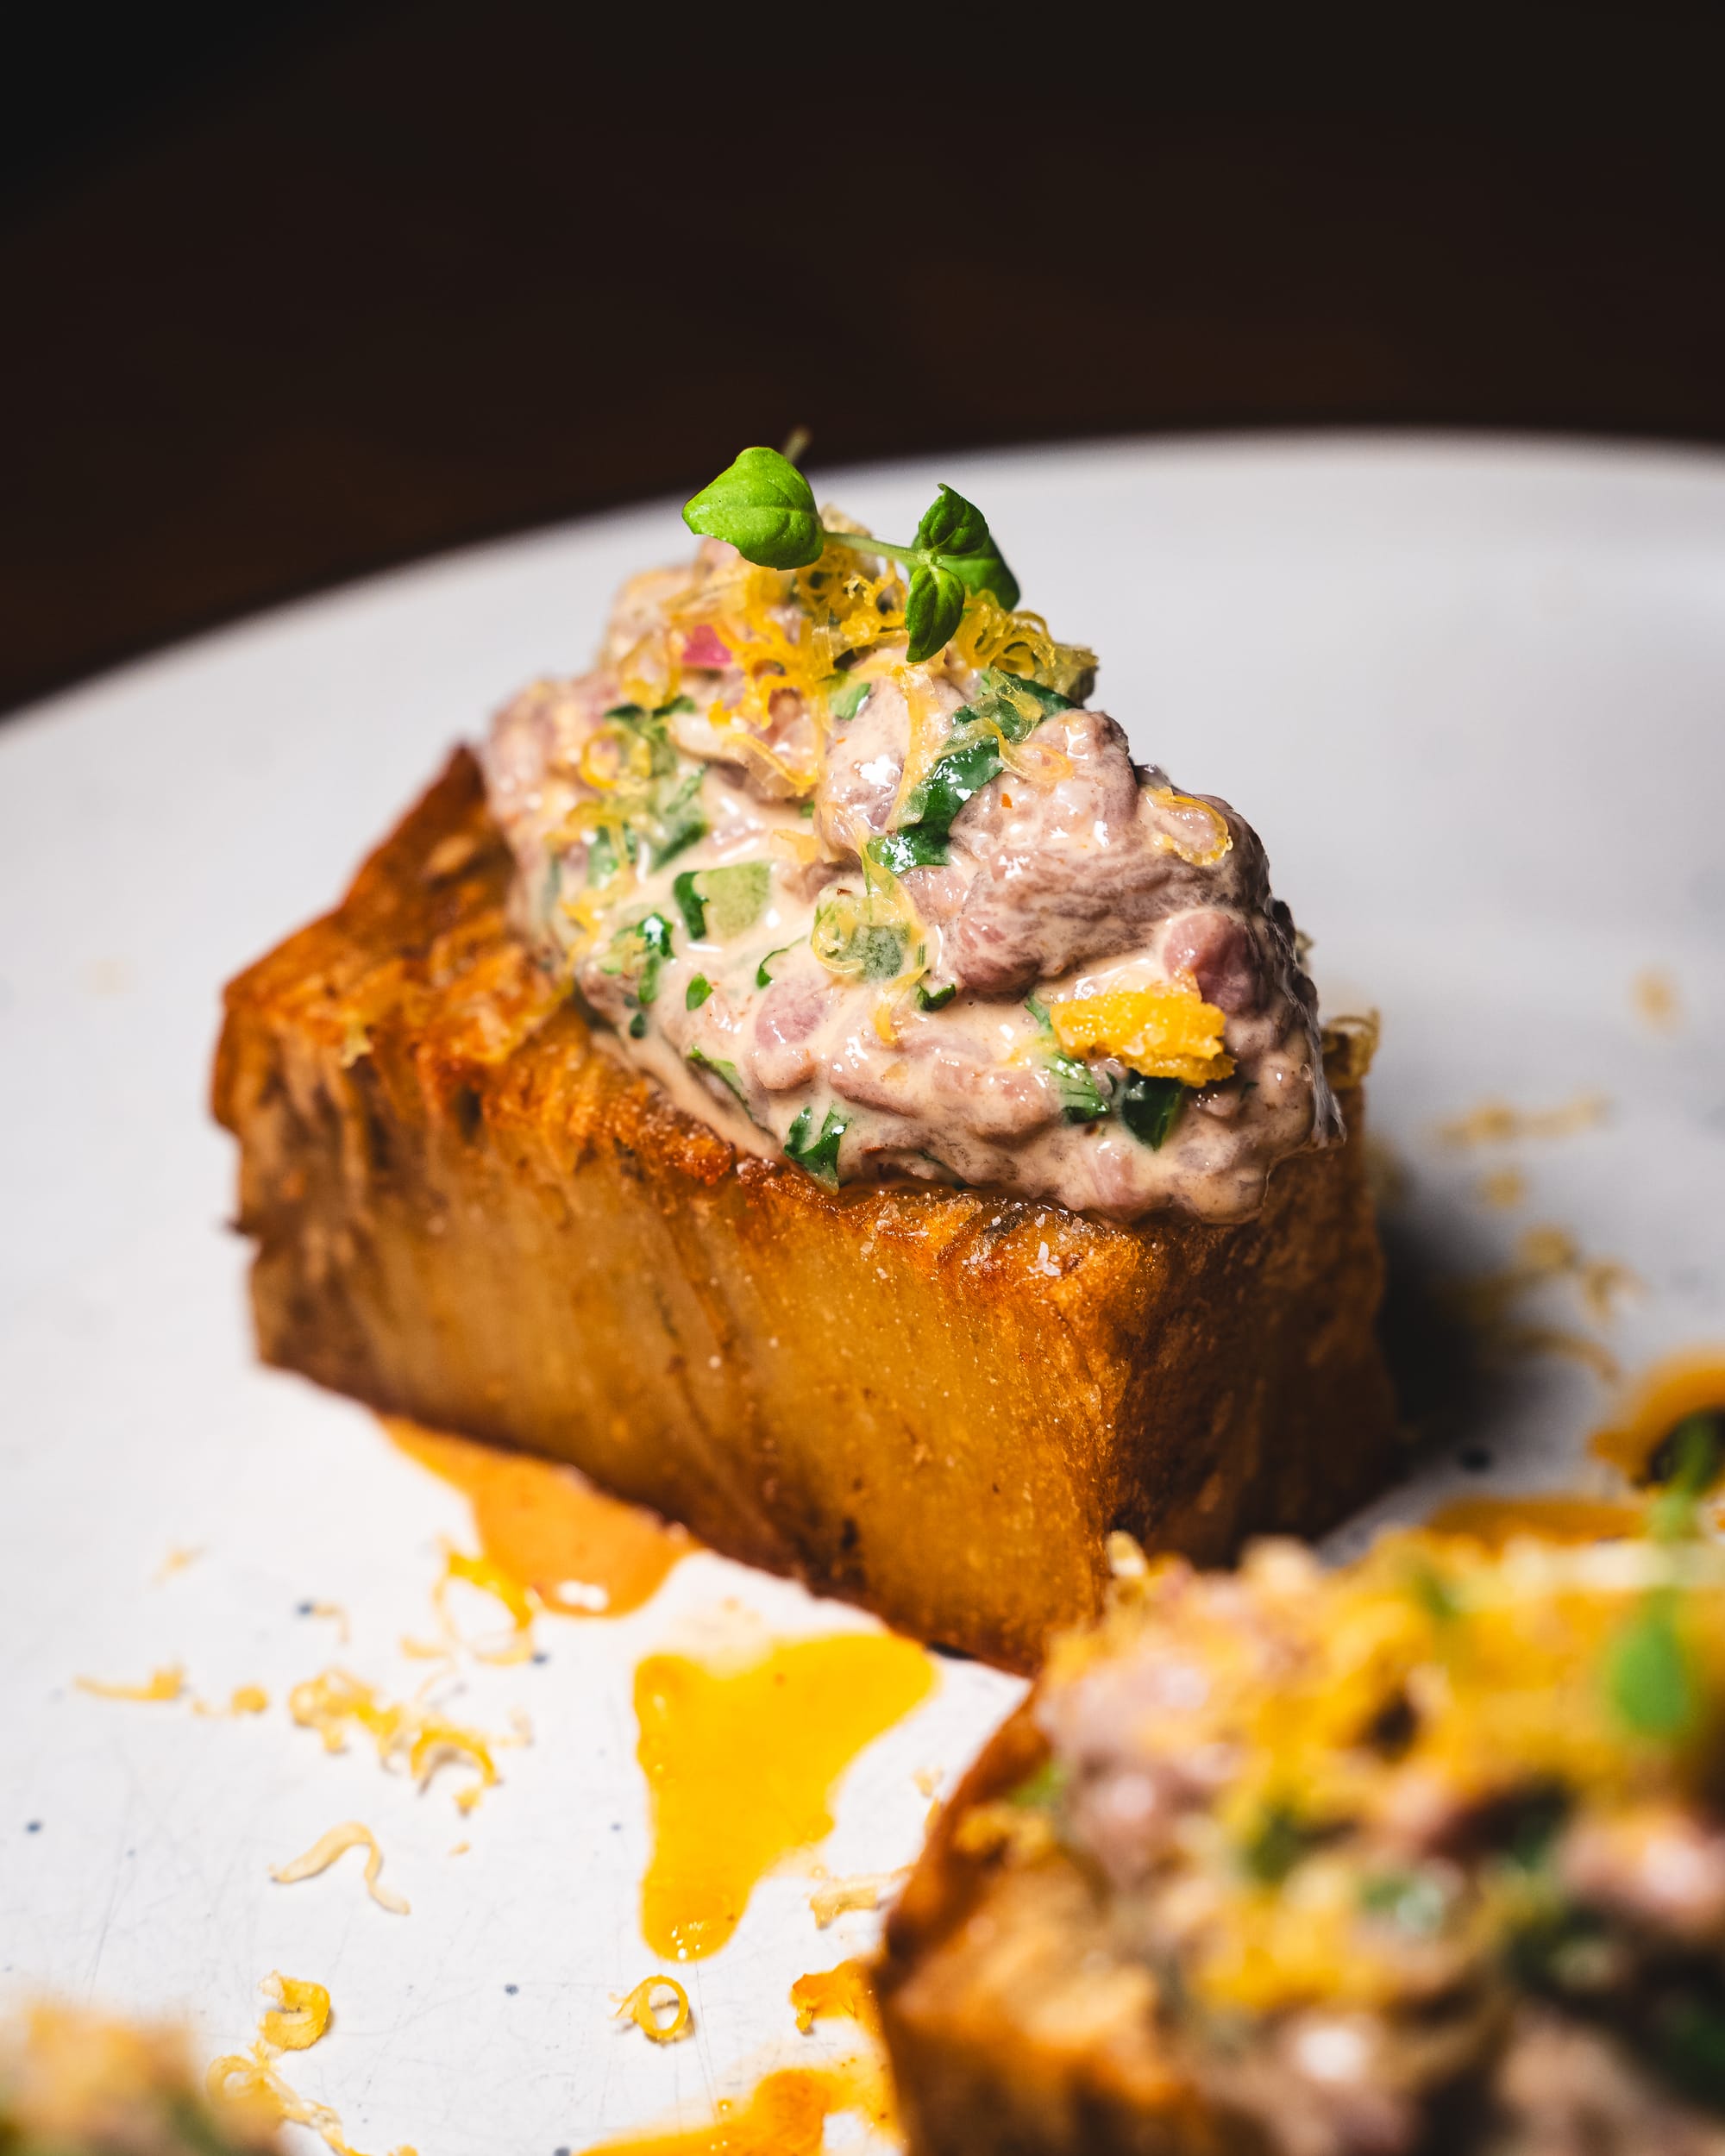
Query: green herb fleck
{"type": "Point", "coordinates": [696, 993]}
{"type": "Point", "coordinates": [1043, 1790]}
{"type": "Point", "coordinates": [717, 904]}
{"type": "Point", "coordinates": [1277, 1845]}
{"type": "Point", "coordinates": [845, 697]}
{"type": "Point", "coordinates": [762, 978]}
{"type": "Point", "coordinates": [637, 1026]}
{"type": "Point", "coordinates": [1150, 1107]}
{"type": "Point", "coordinates": [725, 1072]}
{"type": "Point", "coordinates": [1648, 1674]}
{"type": "Point", "coordinates": [1412, 1901]}
{"type": "Point", "coordinates": [935, 999]}
{"type": "Point", "coordinates": [690, 904]}
{"type": "Point", "coordinates": [898, 852]}
{"type": "Point", "coordinates": [1081, 1099]}
{"type": "Point", "coordinates": [818, 1154]}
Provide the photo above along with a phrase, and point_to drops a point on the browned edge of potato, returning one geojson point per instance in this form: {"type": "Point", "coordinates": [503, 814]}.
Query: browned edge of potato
{"type": "Point", "coordinates": [936, 1403]}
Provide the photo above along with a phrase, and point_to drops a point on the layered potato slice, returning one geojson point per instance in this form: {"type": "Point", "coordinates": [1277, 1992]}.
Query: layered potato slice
{"type": "Point", "coordinates": [936, 1402]}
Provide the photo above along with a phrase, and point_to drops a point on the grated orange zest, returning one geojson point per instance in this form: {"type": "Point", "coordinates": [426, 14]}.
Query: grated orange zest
{"type": "Point", "coordinates": [1164, 1030]}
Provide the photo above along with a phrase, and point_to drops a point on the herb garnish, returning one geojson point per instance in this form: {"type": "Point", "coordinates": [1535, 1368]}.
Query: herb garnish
{"type": "Point", "coordinates": [1150, 1107]}
{"type": "Point", "coordinates": [638, 952]}
{"type": "Point", "coordinates": [717, 904]}
{"type": "Point", "coordinates": [696, 993]}
{"type": "Point", "coordinates": [818, 1154]}
{"type": "Point", "coordinates": [762, 978]}
{"type": "Point", "coordinates": [765, 507]}
{"type": "Point", "coordinates": [724, 1072]}
{"type": "Point", "coordinates": [1081, 1099]}
{"type": "Point", "coordinates": [1008, 707]}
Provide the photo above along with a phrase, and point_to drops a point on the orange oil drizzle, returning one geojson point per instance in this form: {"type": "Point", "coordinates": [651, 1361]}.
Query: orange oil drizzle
{"type": "Point", "coordinates": [1498, 1521]}
{"type": "Point", "coordinates": [546, 1527]}
{"type": "Point", "coordinates": [785, 2114]}
{"type": "Point", "coordinates": [741, 1761]}
{"type": "Point", "coordinates": [1686, 1383]}
{"type": "Point", "coordinates": [833, 1995]}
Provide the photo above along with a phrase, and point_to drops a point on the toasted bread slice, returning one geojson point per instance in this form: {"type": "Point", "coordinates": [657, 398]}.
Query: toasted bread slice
{"type": "Point", "coordinates": [937, 1403]}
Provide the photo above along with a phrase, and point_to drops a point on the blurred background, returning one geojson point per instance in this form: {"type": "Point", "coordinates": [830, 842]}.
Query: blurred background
{"type": "Point", "coordinates": [296, 291]}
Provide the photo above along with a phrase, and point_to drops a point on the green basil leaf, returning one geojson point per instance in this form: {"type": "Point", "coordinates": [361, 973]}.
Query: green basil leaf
{"type": "Point", "coordinates": [935, 999]}
{"type": "Point", "coordinates": [1648, 1673]}
{"type": "Point", "coordinates": [951, 525]}
{"type": "Point", "coordinates": [1150, 1107]}
{"type": "Point", "coordinates": [985, 572]}
{"type": "Point", "coordinates": [762, 978]}
{"type": "Point", "coordinates": [696, 993]}
{"type": "Point", "coordinates": [818, 1154]}
{"type": "Point", "coordinates": [916, 847]}
{"type": "Point", "coordinates": [691, 905]}
{"type": "Point", "coordinates": [764, 506]}
{"type": "Point", "coordinates": [724, 1072]}
{"type": "Point", "coordinates": [933, 609]}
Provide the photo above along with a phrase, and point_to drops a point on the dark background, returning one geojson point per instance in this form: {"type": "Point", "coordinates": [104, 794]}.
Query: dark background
{"type": "Point", "coordinates": [293, 291]}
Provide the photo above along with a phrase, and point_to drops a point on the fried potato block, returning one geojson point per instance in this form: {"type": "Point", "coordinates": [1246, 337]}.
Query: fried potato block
{"type": "Point", "coordinates": [1015, 2026]}
{"type": "Point", "coordinates": [935, 1403]}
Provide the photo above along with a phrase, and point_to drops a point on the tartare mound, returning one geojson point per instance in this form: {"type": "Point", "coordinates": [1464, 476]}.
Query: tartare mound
{"type": "Point", "coordinates": [895, 919]}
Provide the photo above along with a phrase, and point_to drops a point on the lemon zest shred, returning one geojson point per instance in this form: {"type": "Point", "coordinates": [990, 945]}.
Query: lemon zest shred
{"type": "Point", "coordinates": [643, 2009]}
{"type": "Point", "coordinates": [298, 2019]}
{"type": "Point", "coordinates": [351, 1834]}
{"type": "Point", "coordinates": [336, 1702]}
{"type": "Point", "coordinates": [1169, 842]}
{"type": "Point", "coordinates": [166, 1683]}
{"type": "Point", "coordinates": [1163, 1030]}
{"type": "Point", "coordinates": [299, 2015]}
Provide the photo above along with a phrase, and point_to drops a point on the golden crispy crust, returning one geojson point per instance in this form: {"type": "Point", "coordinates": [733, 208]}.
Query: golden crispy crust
{"type": "Point", "coordinates": [936, 1403]}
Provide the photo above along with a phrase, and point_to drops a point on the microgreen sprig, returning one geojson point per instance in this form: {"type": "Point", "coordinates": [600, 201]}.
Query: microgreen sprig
{"type": "Point", "coordinates": [765, 507]}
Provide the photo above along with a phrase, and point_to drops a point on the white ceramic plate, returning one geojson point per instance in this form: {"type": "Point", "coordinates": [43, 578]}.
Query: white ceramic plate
{"type": "Point", "coordinates": [1470, 693]}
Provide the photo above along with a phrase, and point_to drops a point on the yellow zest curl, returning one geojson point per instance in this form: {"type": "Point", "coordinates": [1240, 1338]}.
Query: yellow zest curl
{"type": "Point", "coordinates": [646, 2003]}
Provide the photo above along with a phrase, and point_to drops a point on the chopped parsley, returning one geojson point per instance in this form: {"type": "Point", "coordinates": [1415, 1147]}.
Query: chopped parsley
{"type": "Point", "coordinates": [1150, 1107]}
{"type": "Point", "coordinates": [935, 999]}
{"type": "Point", "coordinates": [818, 1154]}
{"type": "Point", "coordinates": [696, 993]}
{"type": "Point", "coordinates": [762, 978]}
{"type": "Point", "coordinates": [723, 1071]}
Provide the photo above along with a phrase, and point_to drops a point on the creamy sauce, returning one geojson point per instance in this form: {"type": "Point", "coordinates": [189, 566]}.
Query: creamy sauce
{"type": "Point", "coordinates": [741, 1764]}
{"type": "Point", "coordinates": [892, 920]}
{"type": "Point", "coordinates": [785, 2114]}
{"type": "Point", "coordinates": [1688, 1383]}
{"type": "Point", "coordinates": [545, 1526]}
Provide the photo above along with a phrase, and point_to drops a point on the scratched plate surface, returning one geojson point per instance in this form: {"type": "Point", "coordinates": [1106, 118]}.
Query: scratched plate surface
{"type": "Point", "coordinates": [1472, 694]}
